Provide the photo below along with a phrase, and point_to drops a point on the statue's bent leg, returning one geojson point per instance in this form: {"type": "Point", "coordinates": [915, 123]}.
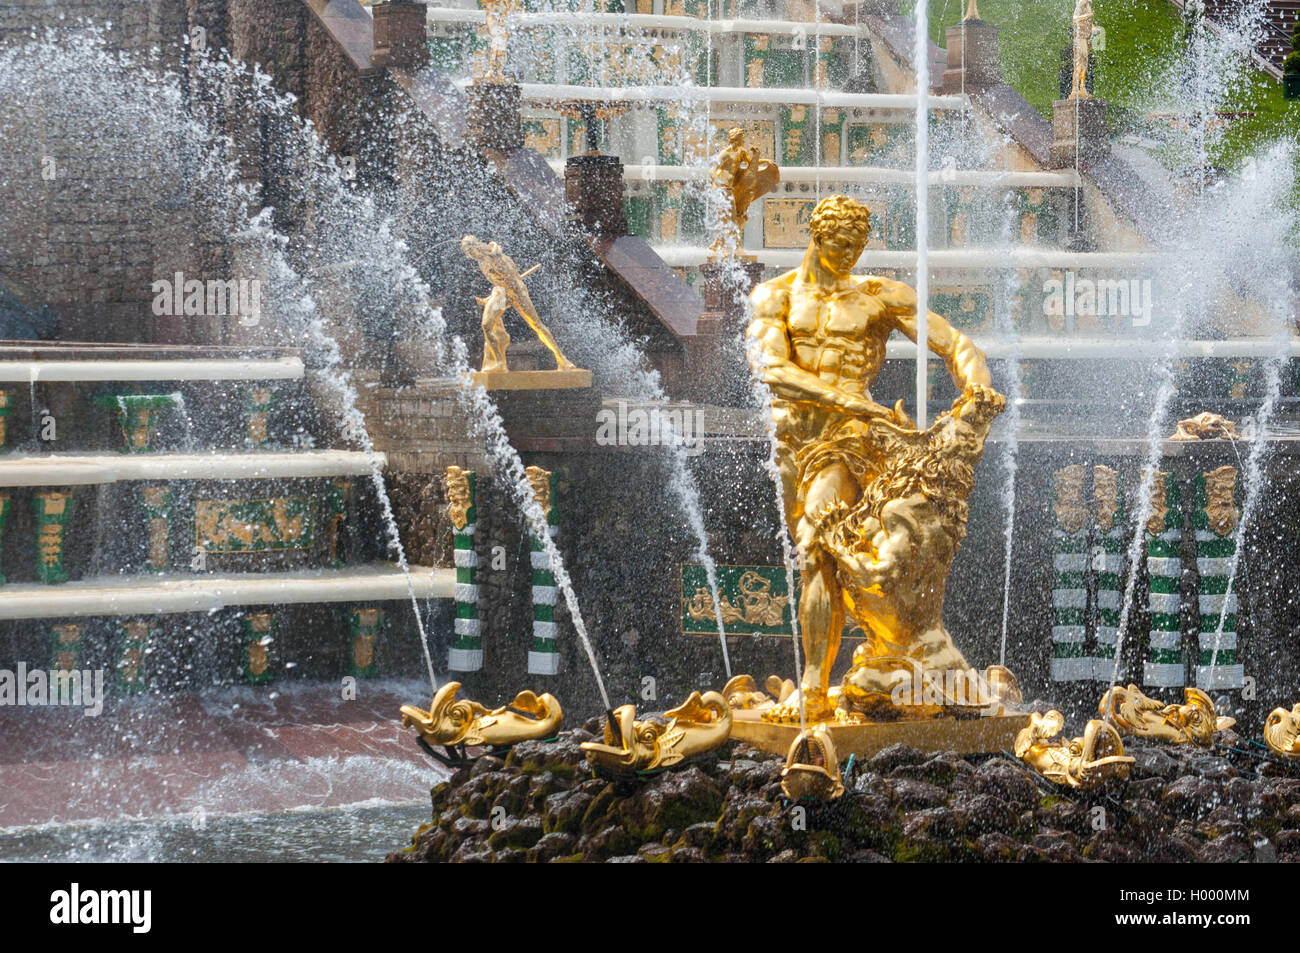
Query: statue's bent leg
{"type": "Point", "coordinates": [821, 604]}
{"type": "Point", "coordinates": [524, 305]}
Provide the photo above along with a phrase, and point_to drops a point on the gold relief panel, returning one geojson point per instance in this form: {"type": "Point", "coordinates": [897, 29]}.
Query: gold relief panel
{"type": "Point", "coordinates": [1159, 504]}
{"type": "Point", "coordinates": [1105, 497]}
{"type": "Point", "coordinates": [668, 224]}
{"type": "Point", "coordinates": [1069, 509]}
{"type": "Point", "coordinates": [785, 222]}
{"type": "Point", "coordinates": [542, 134]}
{"type": "Point", "coordinates": [540, 481]}
{"type": "Point", "coordinates": [1220, 500]}
{"type": "Point", "coordinates": [235, 526]}
{"type": "Point", "coordinates": [460, 498]}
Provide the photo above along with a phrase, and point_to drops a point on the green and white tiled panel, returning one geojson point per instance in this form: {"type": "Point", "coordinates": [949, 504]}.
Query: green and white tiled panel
{"type": "Point", "coordinates": [1039, 215]}
{"type": "Point", "coordinates": [543, 658]}
{"type": "Point", "coordinates": [1070, 659]}
{"type": "Point", "coordinates": [1107, 561]}
{"type": "Point", "coordinates": [636, 209]}
{"type": "Point", "coordinates": [967, 308]}
{"type": "Point", "coordinates": [886, 144]}
{"type": "Point", "coordinates": [466, 652]}
{"type": "Point", "coordinates": [1218, 669]}
{"type": "Point", "coordinates": [793, 62]}
{"type": "Point", "coordinates": [1108, 609]}
{"type": "Point", "coordinates": [1166, 666]}
{"type": "Point", "coordinates": [1219, 665]}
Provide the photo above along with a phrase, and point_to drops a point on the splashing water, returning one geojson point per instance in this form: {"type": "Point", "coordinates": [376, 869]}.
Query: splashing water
{"type": "Point", "coordinates": [1010, 458]}
{"type": "Point", "coordinates": [1247, 249]}
{"type": "Point", "coordinates": [511, 468]}
{"type": "Point", "coordinates": [763, 397]}
{"type": "Point", "coordinates": [174, 134]}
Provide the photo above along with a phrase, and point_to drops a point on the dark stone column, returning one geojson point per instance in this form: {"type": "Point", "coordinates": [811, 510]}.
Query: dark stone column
{"type": "Point", "coordinates": [717, 369]}
{"type": "Point", "coordinates": [492, 117]}
{"type": "Point", "coordinates": [972, 56]}
{"type": "Point", "coordinates": [1078, 132]}
{"type": "Point", "coordinates": [400, 37]}
{"type": "Point", "coordinates": [593, 190]}
{"type": "Point", "coordinates": [719, 290]}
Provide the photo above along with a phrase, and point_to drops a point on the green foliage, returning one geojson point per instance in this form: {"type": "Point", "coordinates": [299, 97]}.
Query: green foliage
{"type": "Point", "coordinates": [1141, 37]}
{"type": "Point", "coordinates": [1292, 62]}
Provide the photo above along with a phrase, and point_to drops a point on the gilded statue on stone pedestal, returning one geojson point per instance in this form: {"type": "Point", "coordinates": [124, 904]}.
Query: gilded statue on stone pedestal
{"type": "Point", "coordinates": [876, 507]}
{"type": "Point", "coordinates": [496, 340]}
{"type": "Point", "coordinates": [508, 291]}
{"type": "Point", "coordinates": [1084, 32]}
{"type": "Point", "coordinates": [743, 177]}
{"type": "Point", "coordinates": [498, 30]}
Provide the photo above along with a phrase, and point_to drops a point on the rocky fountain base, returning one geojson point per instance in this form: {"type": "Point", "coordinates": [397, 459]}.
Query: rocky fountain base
{"type": "Point", "coordinates": [541, 803]}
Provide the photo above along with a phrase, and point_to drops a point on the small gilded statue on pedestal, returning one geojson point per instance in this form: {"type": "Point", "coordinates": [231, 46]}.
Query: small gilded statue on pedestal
{"type": "Point", "coordinates": [743, 177]}
{"type": "Point", "coordinates": [508, 291]}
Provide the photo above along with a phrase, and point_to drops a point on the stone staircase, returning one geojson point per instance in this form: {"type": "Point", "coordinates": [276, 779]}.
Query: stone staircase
{"type": "Point", "coordinates": [1280, 20]}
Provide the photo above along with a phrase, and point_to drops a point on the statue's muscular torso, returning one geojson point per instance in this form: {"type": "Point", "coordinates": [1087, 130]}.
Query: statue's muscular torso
{"type": "Point", "coordinates": [840, 336]}
{"type": "Point", "coordinates": [823, 347]}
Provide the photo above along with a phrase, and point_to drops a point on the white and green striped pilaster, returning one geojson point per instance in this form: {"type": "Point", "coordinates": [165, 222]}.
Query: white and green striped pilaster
{"type": "Point", "coordinates": [543, 659]}
{"type": "Point", "coordinates": [1166, 666]}
{"type": "Point", "coordinates": [1109, 518]}
{"type": "Point", "coordinates": [466, 652]}
{"type": "Point", "coordinates": [1070, 659]}
{"type": "Point", "coordinates": [1216, 519]}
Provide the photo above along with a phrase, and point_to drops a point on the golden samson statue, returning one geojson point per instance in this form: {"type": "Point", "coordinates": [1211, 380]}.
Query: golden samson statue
{"type": "Point", "coordinates": [876, 507]}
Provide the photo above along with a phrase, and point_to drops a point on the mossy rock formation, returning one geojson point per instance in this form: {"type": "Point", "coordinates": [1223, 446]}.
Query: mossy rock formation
{"type": "Point", "coordinates": [541, 803]}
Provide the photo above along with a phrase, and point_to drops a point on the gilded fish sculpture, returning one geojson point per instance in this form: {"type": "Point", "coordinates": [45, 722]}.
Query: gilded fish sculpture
{"type": "Point", "coordinates": [742, 694]}
{"type": "Point", "coordinates": [1282, 732]}
{"type": "Point", "coordinates": [697, 726]}
{"type": "Point", "coordinates": [1085, 762]}
{"type": "Point", "coordinates": [451, 721]}
{"type": "Point", "coordinates": [1194, 722]}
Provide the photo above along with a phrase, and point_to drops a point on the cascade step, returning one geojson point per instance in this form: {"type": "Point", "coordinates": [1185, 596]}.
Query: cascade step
{"type": "Point", "coordinates": [88, 469]}
{"type": "Point", "coordinates": [164, 595]}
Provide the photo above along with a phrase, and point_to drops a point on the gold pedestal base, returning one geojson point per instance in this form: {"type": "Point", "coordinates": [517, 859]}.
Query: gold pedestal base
{"type": "Point", "coordinates": [984, 735]}
{"type": "Point", "coordinates": [575, 379]}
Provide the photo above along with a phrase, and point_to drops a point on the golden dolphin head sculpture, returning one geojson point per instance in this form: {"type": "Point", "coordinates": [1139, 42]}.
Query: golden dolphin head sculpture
{"type": "Point", "coordinates": [1194, 722]}
{"type": "Point", "coordinates": [1282, 732]}
{"type": "Point", "coordinates": [698, 725]}
{"type": "Point", "coordinates": [450, 721]}
{"type": "Point", "coordinates": [812, 768]}
{"type": "Point", "coordinates": [1083, 762]}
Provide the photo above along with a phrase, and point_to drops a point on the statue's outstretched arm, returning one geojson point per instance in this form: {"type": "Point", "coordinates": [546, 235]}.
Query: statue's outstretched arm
{"type": "Point", "coordinates": [965, 362]}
